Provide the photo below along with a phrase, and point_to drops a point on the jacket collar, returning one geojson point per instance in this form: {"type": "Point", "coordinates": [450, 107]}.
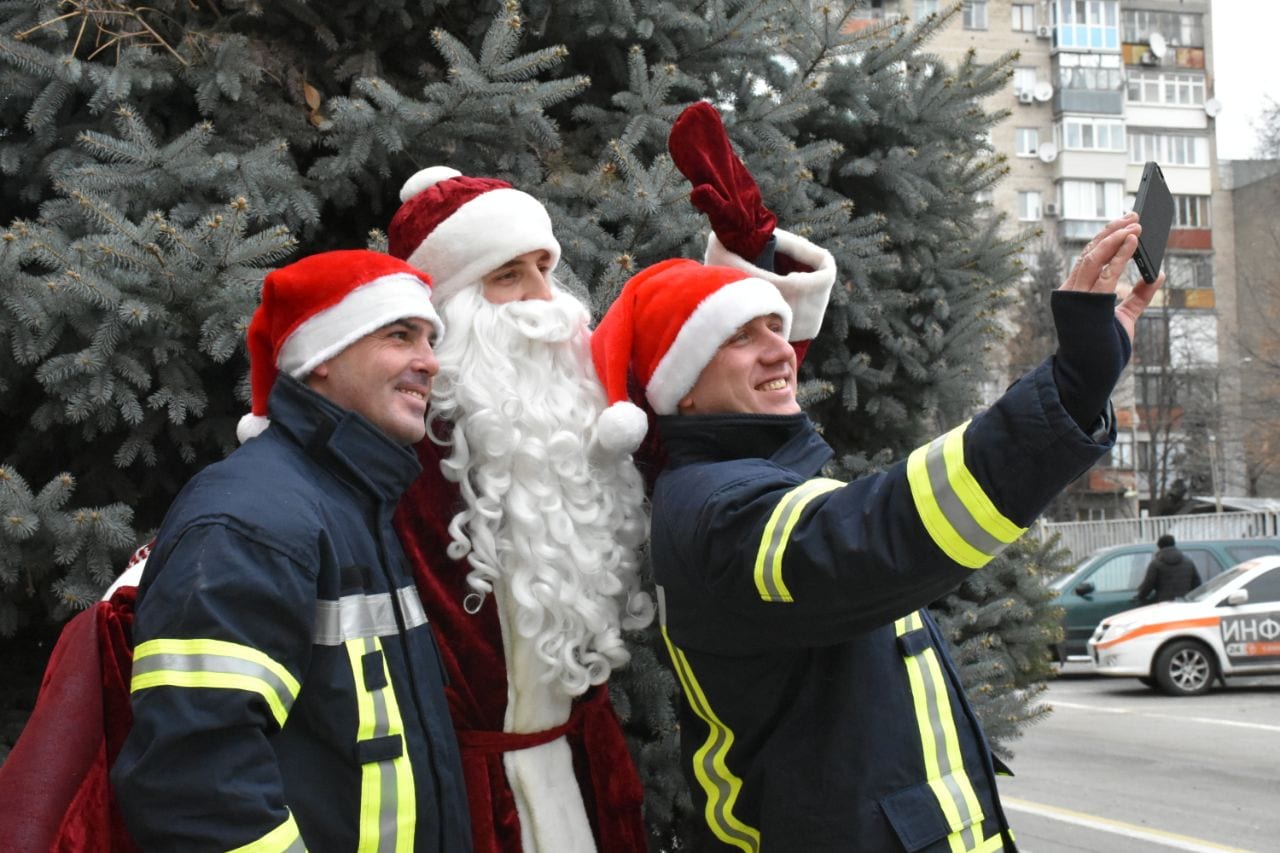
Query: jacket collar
{"type": "Point", "coordinates": [341, 440]}
{"type": "Point", "coordinates": [786, 440]}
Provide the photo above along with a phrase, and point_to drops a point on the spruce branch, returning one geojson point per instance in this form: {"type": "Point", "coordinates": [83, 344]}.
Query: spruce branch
{"type": "Point", "coordinates": [108, 20]}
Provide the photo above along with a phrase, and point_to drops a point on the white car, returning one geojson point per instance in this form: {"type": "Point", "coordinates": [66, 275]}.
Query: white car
{"type": "Point", "coordinates": [1228, 626]}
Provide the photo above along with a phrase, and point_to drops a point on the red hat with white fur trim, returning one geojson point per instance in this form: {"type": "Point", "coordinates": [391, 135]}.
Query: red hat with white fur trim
{"type": "Point", "coordinates": [458, 229]}
{"type": "Point", "coordinates": [665, 327]}
{"type": "Point", "coordinates": [314, 308]}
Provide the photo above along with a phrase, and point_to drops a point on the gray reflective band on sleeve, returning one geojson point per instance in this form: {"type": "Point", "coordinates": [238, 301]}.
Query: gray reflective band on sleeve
{"type": "Point", "coordinates": [359, 616]}
{"type": "Point", "coordinates": [953, 508]}
{"type": "Point", "coordinates": [206, 664]}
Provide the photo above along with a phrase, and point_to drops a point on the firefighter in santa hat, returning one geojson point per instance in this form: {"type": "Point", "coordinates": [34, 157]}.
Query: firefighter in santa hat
{"type": "Point", "coordinates": [821, 710]}
{"type": "Point", "coordinates": [286, 687]}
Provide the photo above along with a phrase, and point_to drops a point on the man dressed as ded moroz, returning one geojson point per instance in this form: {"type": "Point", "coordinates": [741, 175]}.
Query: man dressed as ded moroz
{"type": "Point", "coordinates": [820, 709]}
{"type": "Point", "coordinates": [287, 690]}
{"type": "Point", "coordinates": [524, 527]}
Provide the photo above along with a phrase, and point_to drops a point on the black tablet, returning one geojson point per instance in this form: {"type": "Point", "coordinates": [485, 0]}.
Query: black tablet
{"type": "Point", "coordinates": [1154, 206]}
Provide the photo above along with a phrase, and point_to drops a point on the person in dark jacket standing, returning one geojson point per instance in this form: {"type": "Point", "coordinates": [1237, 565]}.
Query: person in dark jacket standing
{"type": "Point", "coordinates": [1170, 574]}
{"type": "Point", "coordinates": [820, 709]}
{"type": "Point", "coordinates": [287, 690]}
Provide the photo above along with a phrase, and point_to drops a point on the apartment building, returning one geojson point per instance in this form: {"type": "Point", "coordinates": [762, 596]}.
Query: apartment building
{"type": "Point", "coordinates": [1099, 88]}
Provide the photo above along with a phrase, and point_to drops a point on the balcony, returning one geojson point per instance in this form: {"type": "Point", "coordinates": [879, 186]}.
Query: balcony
{"type": "Point", "coordinates": [1079, 230]}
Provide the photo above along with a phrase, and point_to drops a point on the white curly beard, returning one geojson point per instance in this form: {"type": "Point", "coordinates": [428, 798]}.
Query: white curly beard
{"type": "Point", "coordinates": [547, 514]}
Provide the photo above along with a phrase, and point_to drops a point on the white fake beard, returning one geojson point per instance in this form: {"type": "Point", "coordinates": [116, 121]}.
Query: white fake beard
{"type": "Point", "coordinates": [545, 509]}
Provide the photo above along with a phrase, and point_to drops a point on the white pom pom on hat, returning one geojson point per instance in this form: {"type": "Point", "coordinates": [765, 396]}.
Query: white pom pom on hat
{"type": "Point", "coordinates": [424, 179]}
{"type": "Point", "coordinates": [621, 427]}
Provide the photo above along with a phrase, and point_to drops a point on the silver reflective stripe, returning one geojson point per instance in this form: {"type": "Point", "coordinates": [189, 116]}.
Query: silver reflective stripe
{"type": "Point", "coordinates": [710, 765]}
{"type": "Point", "coordinates": [940, 740]}
{"type": "Point", "coordinates": [355, 617]}
{"type": "Point", "coordinates": [380, 794]}
{"type": "Point", "coordinates": [214, 664]}
{"type": "Point", "coordinates": [777, 533]}
{"type": "Point", "coordinates": [933, 709]}
{"type": "Point", "coordinates": [951, 505]}
{"type": "Point", "coordinates": [411, 609]}
{"type": "Point", "coordinates": [389, 798]}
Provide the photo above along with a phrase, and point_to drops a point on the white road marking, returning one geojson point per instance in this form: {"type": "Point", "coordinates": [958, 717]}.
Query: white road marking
{"type": "Point", "coordinates": [1116, 827]}
{"type": "Point", "coordinates": [1080, 706]}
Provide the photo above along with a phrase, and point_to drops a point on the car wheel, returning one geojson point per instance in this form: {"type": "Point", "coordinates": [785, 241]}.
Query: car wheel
{"type": "Point", "coordinates": [1185, 668]}
{"type": "Point", "coordinates": [1148, 681]}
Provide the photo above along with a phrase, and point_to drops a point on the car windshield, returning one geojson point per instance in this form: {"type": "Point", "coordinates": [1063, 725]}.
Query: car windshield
{"type": "Point", "coordinates": [1207, 590]}
{"type": "Point", "coordinates": [1062, 582]}
{"type": "Point", "coordinates": [1059, 583]}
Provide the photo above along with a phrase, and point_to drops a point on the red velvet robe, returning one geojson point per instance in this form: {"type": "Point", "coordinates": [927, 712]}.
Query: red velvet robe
{"type": "Point", "coordinates": [54, 784]}
{"type": "Point", "coordinates": [472, 648]}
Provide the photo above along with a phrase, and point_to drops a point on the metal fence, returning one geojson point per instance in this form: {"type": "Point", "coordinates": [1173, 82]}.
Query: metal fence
{"type": "Point", "coordinates": [1082, 538]}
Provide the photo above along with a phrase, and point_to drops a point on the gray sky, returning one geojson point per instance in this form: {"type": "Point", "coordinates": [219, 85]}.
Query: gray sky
{"type": "Point", "coordinates": [1246, 44]}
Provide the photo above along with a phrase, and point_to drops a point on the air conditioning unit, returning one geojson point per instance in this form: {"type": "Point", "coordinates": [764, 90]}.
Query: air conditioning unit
{"type": "Point", "coordinates": [1050, 209]}
{"type": "Point", "coordinates": [1026, 97]}
{"type": "Point", "coordinates": [1044, 31]}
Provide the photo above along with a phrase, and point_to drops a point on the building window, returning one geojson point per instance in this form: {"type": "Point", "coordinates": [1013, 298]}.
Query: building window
{"type": "Point", "coordinates": [1029, 205]}
{"type": "Point", "coordinates": [1166, 88]}
{"type": "Point", "coordinates": [1191, 211]}
{"type": "Point", "coordinates": [1180, 29]}
{"type": "Point", "coordinates": [1121, 455]}
{"type": "Point", "coordinates": [1088, 134]}
{"type": "Point", "coordinates": [924, 8]}
{"type": "Point", "coordinates": [1024, 80]}
{"type": "Point", "coordinates": [1092, 199]}
{"type": "Point", "coordinates": [1169, 149]}
{"type": "Point", "coordinates": [1189, 272]}
{"type": "Point", "coordinates": [1091, 79]}
{"type": "Point", "coordinates": [1024, 17]}
{"type": "Point", "coordinates": [1026, 141]}
{"type": "Point", "coordinates": [975, 14]}
{"type": "Point", "coordinates": [1092, 24]}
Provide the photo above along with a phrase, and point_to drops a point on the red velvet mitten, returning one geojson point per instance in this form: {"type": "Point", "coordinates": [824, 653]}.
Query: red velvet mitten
{"type": "Point", "coordinates": [723, 189]}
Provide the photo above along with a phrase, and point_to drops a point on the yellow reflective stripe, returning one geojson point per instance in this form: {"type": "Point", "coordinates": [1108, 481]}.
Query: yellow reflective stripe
{"type": "Point", "coordinates": [388, 802]}
{"type": "Point", "coordinates": [215, 664]}
{"type": "Point", "coordinates": [940, 743]}
{"type": "Point", "coordinates": [777, 533]}
{"type": "Point", "coordinates": [285, 838]}
{"type": "Point", "coordinates": [988, 845]}
{"type": "Point", "coordinates": [713, 774]}
{"type": "Point", "coordinates": [971, 494]}
{"type": "Point", "coordinates": [955, 511]}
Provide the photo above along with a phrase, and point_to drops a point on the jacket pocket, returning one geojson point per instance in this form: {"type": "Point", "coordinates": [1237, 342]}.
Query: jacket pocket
{"type": "Point", "coordinates": [915, 816]}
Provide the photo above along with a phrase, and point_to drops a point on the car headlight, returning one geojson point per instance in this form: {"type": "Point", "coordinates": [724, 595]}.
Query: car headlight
{"type": "Point", "coordinates": [1111, 630]}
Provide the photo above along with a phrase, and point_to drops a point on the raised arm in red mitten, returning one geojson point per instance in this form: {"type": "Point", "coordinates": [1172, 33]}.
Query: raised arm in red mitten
{"type": "Point", "coordinates": [745, 233]}
{"type": "Point", "coordinates": [723, 189]}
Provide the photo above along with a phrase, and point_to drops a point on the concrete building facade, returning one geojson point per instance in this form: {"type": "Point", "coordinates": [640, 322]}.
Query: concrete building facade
{"type": "Point", "coordinates": [1100, 87]}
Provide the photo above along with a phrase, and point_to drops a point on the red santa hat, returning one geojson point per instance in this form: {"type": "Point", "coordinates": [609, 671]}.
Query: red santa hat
{"type": "Point", "coordinates": [313, 309]}
{"type": "Point", "coordinates": [665, 326]}
{"type": "Point", "coordinates": [458, 229]}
